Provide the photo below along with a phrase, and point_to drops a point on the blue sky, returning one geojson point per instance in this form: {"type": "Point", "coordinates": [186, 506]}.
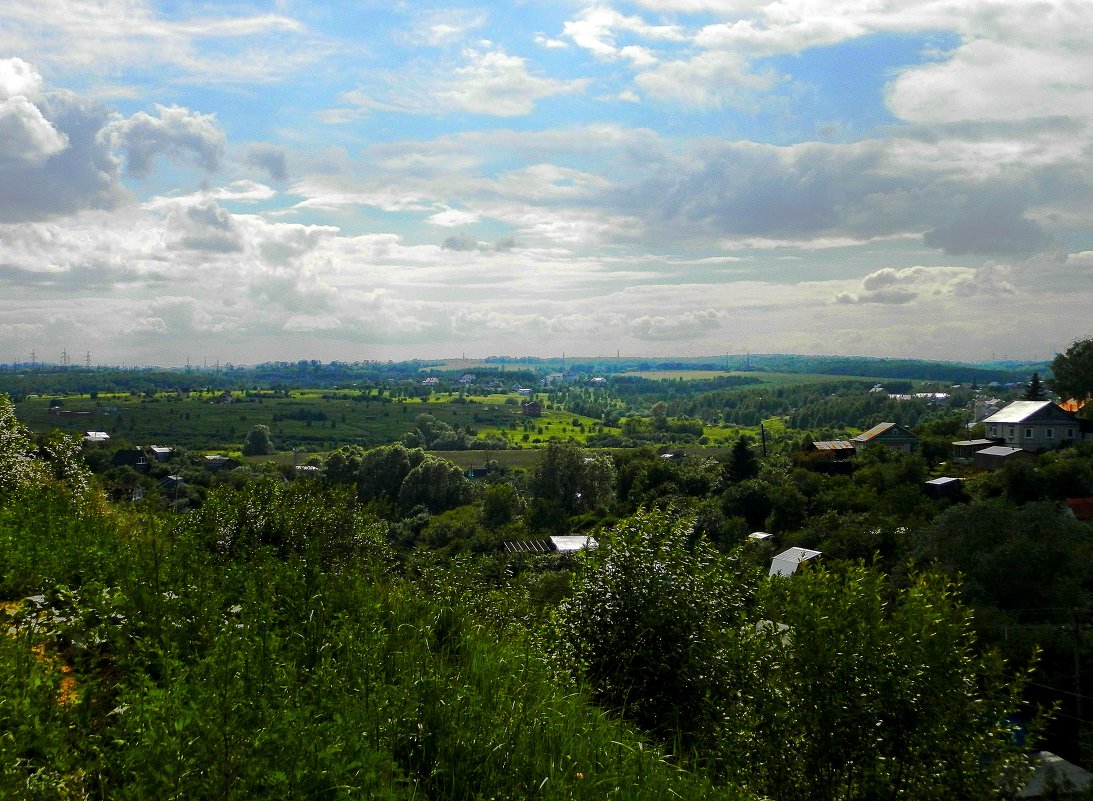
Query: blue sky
{"type": "Point", "coordinates": [363, 180]}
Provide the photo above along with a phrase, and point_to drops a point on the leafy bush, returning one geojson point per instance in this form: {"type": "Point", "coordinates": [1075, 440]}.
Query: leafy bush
{"type": "Point", "coordinates": [826, 685]}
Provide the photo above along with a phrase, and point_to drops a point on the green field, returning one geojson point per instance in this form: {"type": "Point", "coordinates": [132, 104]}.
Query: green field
{"type": "Point", "coordinates": [307, 420]}
{"type": "Point", "coordinates": [312, 421]}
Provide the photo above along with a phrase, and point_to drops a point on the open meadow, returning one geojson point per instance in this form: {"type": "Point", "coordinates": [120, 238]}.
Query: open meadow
{"type": "Point", "coordinates": [313, 420]}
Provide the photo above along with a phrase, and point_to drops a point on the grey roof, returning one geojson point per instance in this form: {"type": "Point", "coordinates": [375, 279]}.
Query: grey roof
{"type": "Point", "coordinates": [571, 543]}
{"type": "Point", "coordinates": [785, 563]}
{"type": "Point", "coordinates": [1054, 774]}
{"type": "Point", "coordinates": [1018, 411]}
{"type": "Point", "coordinates": [999, 450]}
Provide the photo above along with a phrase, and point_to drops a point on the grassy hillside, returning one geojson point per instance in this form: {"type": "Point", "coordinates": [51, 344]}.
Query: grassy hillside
{"type": "Point", "coordinates": [167, 658]}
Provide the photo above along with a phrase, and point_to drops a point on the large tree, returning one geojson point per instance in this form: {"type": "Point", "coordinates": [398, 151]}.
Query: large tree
{"type": "Point", "coordinates": [436, 484]}
{"type": "Point", "coordinates": [572, 478]}
{"type": "Point", "coordinates": [257, 442]}
{"type": "Point", "coordinates": [378, 473]}
{"type": "Point", "coordinates": [1073, 371]}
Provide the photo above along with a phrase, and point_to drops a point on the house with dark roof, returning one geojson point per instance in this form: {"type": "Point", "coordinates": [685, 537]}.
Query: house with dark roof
{"type": "Point", "coordinates": [1033, 426]}
{"type": "Point", "coordinates": [131, 457]}
{"type": "Point", "coordinates": [891, 435]}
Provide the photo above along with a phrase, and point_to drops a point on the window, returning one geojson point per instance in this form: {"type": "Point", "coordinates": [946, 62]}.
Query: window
{"type": "Point", "coordinates": [1070, 433]}
{"type": "Point", "coordinates": [1011, 432]}
{"type": "Point", "coordinates": [1029, 433]}
{"type": "Point", "coordinates": [1050, 433]}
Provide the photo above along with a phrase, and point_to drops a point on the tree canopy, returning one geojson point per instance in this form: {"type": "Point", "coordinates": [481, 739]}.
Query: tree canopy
{"type": "Point", "coordinates": [258, 442]}
{"type": "Point", "coordinates": [1073, 371]}
{"type": "Point", "coordinates": [574, 479]}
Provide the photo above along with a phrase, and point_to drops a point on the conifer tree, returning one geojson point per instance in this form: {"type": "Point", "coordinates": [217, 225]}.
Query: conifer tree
{"type": "Point", "coordinates": [1034, 390]}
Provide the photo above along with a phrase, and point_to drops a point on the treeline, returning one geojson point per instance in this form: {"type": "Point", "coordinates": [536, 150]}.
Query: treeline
{"type": "Point", "coordinates": [868, 366]}
{"type": "Point", "coordinates": [842, 404]}
{"type": "Point", "coordinates": [913, 369]}
{"type": "Point", "coordinates": [22, 379]}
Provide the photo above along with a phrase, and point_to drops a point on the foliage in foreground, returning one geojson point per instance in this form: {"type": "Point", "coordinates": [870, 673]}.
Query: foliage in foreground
{"type": "Point", "coordinates": [267, 646]}
{"type": "Point", "coordinates": [828, 685]}
{"type": "Point", "coordinates": [246, 654]}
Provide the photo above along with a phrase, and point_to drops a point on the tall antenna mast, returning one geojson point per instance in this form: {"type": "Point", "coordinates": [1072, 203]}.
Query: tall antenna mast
{"type": "Point", "coordinates": [64, 357]}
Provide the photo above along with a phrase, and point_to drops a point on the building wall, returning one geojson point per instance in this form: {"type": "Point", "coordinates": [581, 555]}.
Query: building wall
{"type": "Point", "coordinates": [1035, 436]}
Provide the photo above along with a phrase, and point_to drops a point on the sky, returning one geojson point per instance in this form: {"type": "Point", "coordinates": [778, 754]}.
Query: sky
{"type": "Point", "coordinates": [190, 182]}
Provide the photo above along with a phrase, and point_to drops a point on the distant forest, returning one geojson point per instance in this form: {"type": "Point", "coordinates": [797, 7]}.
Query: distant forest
{"type": "Point", "coordinates": [20, 379]}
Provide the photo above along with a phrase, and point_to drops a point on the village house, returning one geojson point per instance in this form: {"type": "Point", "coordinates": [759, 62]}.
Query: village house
{"type": "Point", "coordinates": [1033, 426]}
{"type": "Point", "coordinates": [944, 487]}
{"type": "Point", "coordinates": [218, 461]}
{"type": "Point", "coordinates": [891, 435]}
{"type": "Point", "coordinates": [131, 457]}
{"type": "Point", "coordinates": [160, 453]}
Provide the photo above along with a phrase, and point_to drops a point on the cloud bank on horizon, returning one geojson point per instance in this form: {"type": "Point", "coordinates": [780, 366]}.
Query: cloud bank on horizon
{"type": "Point", "coordinates": [663, 177]}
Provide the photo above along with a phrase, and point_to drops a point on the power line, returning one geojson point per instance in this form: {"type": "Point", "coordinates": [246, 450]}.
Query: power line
{"type": "Point", "coordinates": [1058, 690]}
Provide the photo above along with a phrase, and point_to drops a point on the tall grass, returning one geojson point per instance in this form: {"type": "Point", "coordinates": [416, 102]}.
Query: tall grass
{"type": "Point", "coordinates": [267, 671]}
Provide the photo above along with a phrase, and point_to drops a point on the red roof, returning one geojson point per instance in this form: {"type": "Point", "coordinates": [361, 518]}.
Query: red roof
{"type": "Point", "coordinates": [1081, 507]}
